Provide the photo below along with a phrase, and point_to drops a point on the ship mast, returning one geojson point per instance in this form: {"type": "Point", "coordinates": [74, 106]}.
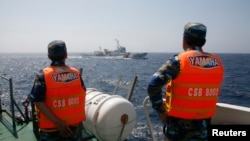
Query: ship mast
{"type": "Point", "coordinates": [118, 45]}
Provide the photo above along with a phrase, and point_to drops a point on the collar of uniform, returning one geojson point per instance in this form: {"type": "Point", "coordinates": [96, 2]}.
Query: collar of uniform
{"type": "Point", "coordinates": [57, 63]}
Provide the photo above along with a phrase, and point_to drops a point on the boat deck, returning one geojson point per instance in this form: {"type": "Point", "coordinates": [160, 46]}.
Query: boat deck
{"type": "Point", "coordinates": [24, 131]}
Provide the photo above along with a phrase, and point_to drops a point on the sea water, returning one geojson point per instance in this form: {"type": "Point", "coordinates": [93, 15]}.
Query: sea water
{"type": "Point", "coordinates": [103, 73]}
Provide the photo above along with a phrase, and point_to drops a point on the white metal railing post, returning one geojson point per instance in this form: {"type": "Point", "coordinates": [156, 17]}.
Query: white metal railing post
{"type": "Point", "coordinates": [145, 102]}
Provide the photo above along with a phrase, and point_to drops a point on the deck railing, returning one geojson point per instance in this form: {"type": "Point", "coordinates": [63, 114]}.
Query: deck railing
{"type": "Point", "coordinates": [8, 116]}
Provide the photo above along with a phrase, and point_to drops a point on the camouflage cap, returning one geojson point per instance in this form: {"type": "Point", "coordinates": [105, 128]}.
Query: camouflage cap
{"type": "Point", "coordinates": [57, 48]}
{"type": "Point", "coordinates": [195, 30]}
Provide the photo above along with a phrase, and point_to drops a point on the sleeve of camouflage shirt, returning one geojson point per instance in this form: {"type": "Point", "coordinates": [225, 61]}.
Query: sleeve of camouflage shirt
{"type": "Point", "coordinates": [39, 88]}
{"type": "Point", "coordinates": [166, 72]}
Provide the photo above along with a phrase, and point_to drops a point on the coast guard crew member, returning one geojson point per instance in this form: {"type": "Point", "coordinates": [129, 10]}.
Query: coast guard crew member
{"type": "Point", "coordinates": [59, 96]}
{"type": "Point", "coordinates": [193, 81]}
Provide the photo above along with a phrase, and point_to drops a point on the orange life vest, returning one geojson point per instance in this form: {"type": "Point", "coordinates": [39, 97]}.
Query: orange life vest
{"type": "Point", "coordinates": [64, 96]}
{"type": "Point", "coordinates": [194, 92]}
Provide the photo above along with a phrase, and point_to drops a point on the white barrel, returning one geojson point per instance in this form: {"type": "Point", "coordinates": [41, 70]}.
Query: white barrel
{"type": "Point", "coordinates": [109, 117]}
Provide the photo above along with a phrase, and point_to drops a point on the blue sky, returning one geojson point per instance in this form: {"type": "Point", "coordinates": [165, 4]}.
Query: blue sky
{"type": "Point", "coordinates": [140, 25]}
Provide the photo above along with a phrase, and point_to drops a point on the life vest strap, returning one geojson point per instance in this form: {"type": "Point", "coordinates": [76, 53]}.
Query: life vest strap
{"type": "Point", "coordinates": [195, 97]}
{"type": "Point", "coordinates": [196, 85]}
{"type": "Point", "coordinates": [49, 130]}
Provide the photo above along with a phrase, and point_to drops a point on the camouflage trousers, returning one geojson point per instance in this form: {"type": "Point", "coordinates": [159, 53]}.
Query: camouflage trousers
{"type": "Point", "coordinates": [186, 130]}
{"type": "Point", "coordinates": [56, 136]}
